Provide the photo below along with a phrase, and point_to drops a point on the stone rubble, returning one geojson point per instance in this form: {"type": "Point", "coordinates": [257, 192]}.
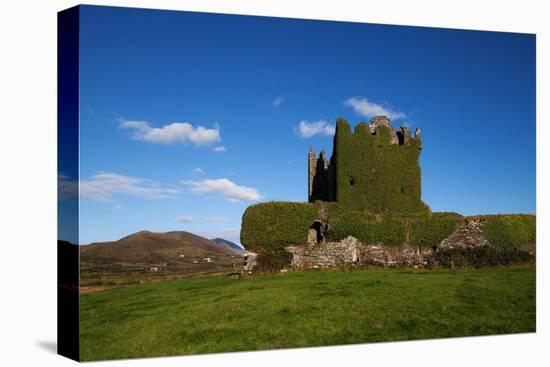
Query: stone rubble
{"type": "Point", "coordinates": [350, 252]}
{"type": "Point", "coordinates": [466, 236]}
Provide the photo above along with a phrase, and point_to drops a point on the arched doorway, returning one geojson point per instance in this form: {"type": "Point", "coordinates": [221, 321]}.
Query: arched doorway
{"type": "Point", "coordinates": [315, 233]}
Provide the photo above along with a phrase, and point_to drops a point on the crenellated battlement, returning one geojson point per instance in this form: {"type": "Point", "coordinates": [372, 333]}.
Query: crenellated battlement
{"type": "Point", "coordinates": [398, 136]}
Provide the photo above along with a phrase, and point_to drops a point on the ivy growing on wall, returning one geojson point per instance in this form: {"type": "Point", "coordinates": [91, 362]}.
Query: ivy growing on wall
{"type": "Point", "coordinates": [275, 225]}
{"type": "Point", "coordinates": [430, 230]}
{"type": "Point", "coordinates": [374, 175]}
{"type": "Point", "coordinates": [368, 228]}
{"type": "Point", "coordinates": [509, 230]}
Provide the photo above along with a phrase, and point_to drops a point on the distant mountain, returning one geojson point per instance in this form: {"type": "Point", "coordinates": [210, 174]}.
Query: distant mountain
{"type": "Point", "coordinates": [231, 245]}
{"type": "Point", "coordinates": [145, 246]}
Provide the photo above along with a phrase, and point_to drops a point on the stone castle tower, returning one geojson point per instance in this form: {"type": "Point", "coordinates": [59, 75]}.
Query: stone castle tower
{"type": "Point", "coordinates": [374, 169]}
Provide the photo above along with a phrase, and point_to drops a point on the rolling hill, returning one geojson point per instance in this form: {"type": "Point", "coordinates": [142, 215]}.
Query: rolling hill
{"type": "Point", "coordinates": [149, 256]}
{"type": "Point", "coordinates": [145, 246]}
{"type": "Point", "coordinates": [229, 244]}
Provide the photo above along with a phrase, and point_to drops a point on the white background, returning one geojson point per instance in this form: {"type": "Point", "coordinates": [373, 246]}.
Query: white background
{"type": "Point", "coordinates": [28, 183]}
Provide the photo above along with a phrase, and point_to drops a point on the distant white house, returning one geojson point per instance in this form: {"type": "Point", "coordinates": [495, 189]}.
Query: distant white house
{"type": "Point", "coordinates": [154, 268]}
{"type": "Point", "coordinates": [207, 259]}
{"type": "Point", "coordinates": [195, 262]}
{"type": "Point", "coordinates": [182, 255]}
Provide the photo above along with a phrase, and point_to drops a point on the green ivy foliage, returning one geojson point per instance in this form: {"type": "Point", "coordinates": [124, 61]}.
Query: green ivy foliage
{"type": "Point", "coordinates": [272, 226]}
{"type": "Point", "coordinates": [424, 230]}
{"type": "Point", "coordinates": [508, 231]}
{"type": "Point", "coordinates": [275, 225]}
{"type": "Point", "coordinates": [386, 177]}
{"type": "Point", "coordinates": [385, 230]}
{"type": "Point", "coordinates": [480, 257]}
{"type": "Point", "coordinates": [272, 260]}
{"type": "Point", "coordinates": [430, 230]}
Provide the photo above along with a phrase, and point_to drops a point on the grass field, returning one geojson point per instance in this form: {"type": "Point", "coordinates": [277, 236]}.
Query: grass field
{"type": "Point", "coordinates": [217, 314]}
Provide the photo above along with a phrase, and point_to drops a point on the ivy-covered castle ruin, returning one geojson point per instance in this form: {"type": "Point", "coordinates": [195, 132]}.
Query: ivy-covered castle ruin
{"type": "Point", "coordinates": [373, 169]}
{"type": "Point", "coordinates": [364, 207]}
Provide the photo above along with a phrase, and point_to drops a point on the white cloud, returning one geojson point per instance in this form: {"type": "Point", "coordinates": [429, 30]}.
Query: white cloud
{"type": "Point", "coordinates": [118, 207]}
{"type": "Point", "coordinates": [278, 101]}
{"type": "Point", "coordinates": [228, 189]}
{"type": "Point", "coordinates": [66, 188]}
{"type": "Point", "coordinates": [184, 218]}
{"type": "Point", "coordinates": [176, 132]}
{"type": "Point", "coordinates": [219, 149]}
{"type": "Point", "coordinates": [308, 129]}
{"type": "Point", "coordinates": [102, 186]}
{"type": "Point", "coordinates": [198, 171]}
{"type": "Point", "coordinates": [366, 108]}
{"type": "Point", "coordinates": [194, 218]}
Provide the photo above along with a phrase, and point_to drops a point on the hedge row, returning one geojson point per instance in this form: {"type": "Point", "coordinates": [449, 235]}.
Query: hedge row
{"type": "Point", "coordinates": [430, 230]}
{"type": "Point", "coordinates": [367, 228]}
{"type": "Point", "coordinates": [425, 230]}
{"type": "Point", "coordinates": [508, 231]}
{"type": "Point", "coordinates": [272, 260]}
{"type": "Point", "coordinates": [275, 225]}
{"type": "Point", "coordinates": [480, 257]}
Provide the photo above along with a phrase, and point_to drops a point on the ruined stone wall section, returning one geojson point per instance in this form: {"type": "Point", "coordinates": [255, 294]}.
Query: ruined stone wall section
{"type": "Point", "coordinates": [350, 252]}
{"type": "Point", "coordinates": [467, 235]}
{"type": "Point", "coordinates": [399, 136]}
{"type": "Point", "coordinates": [311, 167]}
{"type": "Point", "coordinates": [320, 177]}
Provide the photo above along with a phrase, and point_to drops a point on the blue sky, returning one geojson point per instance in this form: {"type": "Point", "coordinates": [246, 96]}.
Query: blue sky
{"type": "Point", "coordinates": [188, 118]}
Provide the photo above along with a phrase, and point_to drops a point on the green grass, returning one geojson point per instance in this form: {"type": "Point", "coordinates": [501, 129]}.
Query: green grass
{"type": "Point", "coordinates": [217, 314]}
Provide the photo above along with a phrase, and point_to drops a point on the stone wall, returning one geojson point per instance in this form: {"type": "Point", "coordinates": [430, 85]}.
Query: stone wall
{"type": "Point", "coordinates": [467, 235]}
{"type": "Point", "coordinates": [249, 262]}
{"type": "Point", "coordinates": [350, 252]}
